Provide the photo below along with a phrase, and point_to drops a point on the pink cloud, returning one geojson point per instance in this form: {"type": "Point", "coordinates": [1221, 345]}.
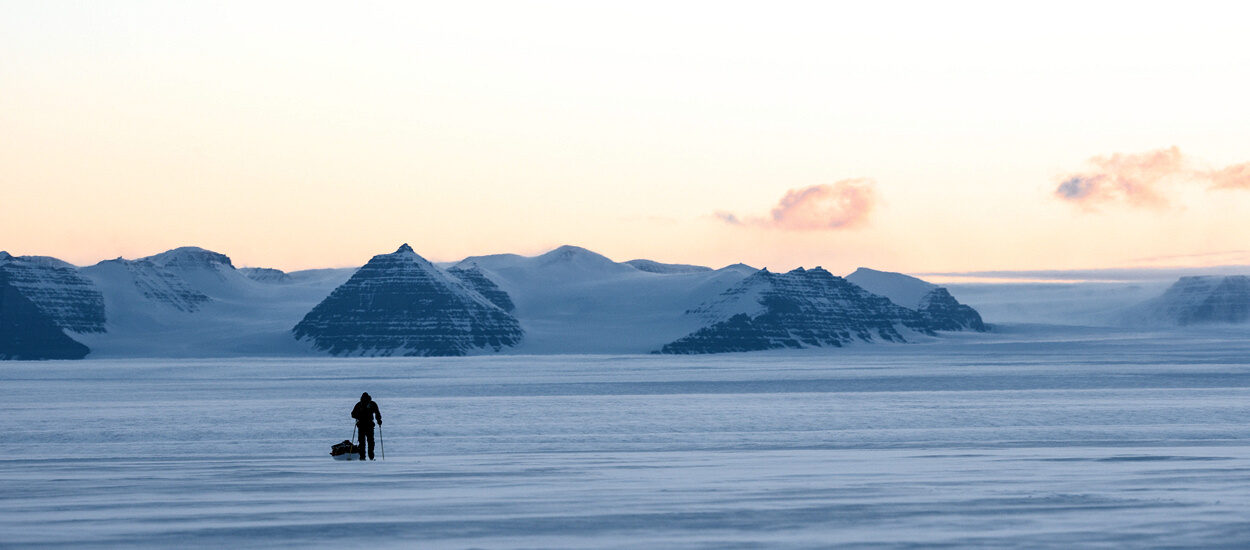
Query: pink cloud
{"type": "Point", "coordinates": [1130, 178]}
{"type": "Point", "coordinates": [1236, 176]}
{"type": "Point", "coordinates": [842, 205]}
{"type": "Point", "coordinates": [1141, 179]}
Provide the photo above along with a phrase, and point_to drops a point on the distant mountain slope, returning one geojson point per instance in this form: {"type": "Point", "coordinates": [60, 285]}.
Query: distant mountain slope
{"type": "Point", "coordinates": [572, 300]}
{"type": "Point", "coordinates": [26, 332]}
{"type": "Point", "coordinates": [134, 281]}
{"type": "Point", "coordinates": [904, 290]}
{"type": "Point", "coordinates": [1196, 300]}
{"type": "Point", "coordinates": [798, 309]}
{"type": "Point", "coordinates": [657, 267]}
{"type": "Point", "coordinates": [68, 299]}
{"type": "Point", "coordinates": [401, 304]}
{"type": "Point", "coordinates": [191, 302]}
{"type": "Point", "coordinates": [265, 274]}
{"type": "Point", "coordinates": [935, 303]}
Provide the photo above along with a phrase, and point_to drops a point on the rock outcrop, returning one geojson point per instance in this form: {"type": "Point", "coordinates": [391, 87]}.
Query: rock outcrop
{"type": "Point", "coordinates": [1195, 301]}
{"type": "Point", "coordinates": [401, 304]}
{"type": "Point", "coordinates": [65, 297]}
{"type": "Point", "coordinates": [799, 309]}
{"type": "Point", "coordinates": [27, 332]}
{"type": "Point", "coordinates": [944, 312]}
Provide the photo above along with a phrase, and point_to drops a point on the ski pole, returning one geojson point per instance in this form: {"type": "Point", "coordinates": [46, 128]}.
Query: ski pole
{"type": "Point", "coordinates": [381, 442]}
{"type": "Point", "coordinates": [352, 442]}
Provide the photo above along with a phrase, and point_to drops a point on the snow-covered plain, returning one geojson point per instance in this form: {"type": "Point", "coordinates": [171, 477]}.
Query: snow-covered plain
{"type": "Point", "coordinates": [1024, 439]}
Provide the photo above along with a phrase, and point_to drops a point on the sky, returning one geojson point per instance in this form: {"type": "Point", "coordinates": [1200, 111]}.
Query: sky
{"type": "Point", "coordinates": [915, 137]}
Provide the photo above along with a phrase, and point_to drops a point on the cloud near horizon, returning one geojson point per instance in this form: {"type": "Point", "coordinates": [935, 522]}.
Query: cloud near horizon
{"type": "Point", "coordinates": [842, 205]}
{"type": "Point", "coordinates": [1139, 179]}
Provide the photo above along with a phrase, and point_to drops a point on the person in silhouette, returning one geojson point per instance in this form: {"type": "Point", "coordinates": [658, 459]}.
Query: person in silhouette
{"type": "Point", "coordinates": [364, 413]}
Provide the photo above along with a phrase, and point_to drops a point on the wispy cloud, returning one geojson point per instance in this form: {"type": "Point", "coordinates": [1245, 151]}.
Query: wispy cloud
{"type": "Point", "coordinates": [1130, 178]}
{"type": "Point", "coordinates": [842, 205]}
{"type": "Point", "coordinates": [1141, 179]}
{"type": "Point", "coordinates": [1236, 176]}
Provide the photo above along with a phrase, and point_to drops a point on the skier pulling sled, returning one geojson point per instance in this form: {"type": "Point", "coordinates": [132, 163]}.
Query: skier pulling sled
{"type": "Point", "coordinates": [364, 412]}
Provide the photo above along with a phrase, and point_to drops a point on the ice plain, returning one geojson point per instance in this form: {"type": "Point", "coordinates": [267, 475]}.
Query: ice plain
{"type": "Point", "coordinates": [1028, 437]}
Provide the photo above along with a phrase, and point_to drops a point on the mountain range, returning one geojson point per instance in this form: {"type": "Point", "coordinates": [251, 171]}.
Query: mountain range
{"type": "Point", "coordinates": [191, 302]}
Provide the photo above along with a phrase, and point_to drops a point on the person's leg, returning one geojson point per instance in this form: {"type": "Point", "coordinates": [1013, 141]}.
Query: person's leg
{"type": "Point", "coordinates": [361, 447]}
{"type": "Point", "coordinates": [370, 444]}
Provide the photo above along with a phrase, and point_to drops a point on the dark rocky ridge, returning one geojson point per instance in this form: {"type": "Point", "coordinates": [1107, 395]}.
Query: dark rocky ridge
{"type": "Point", "coordinates": [401, 304]}
{"type": "Point", "coordinates": [944, 312]}
{"type": "Point", "coordinates": [26, 332]}
{"type": "Point", "coordinates": [57, 289]}
{"type": "Point", "coordinates": [1198, 300]}
{"type": "Point", "coordinates": [799, 309]}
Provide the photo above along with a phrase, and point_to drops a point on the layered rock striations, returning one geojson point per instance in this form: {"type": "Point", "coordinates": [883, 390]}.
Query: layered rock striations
{"type": "Point", "coordinates": [65, 297]}
{"type": "Point", "coordinates": [27, 332]}
{"type": "Point", "coordinates": [1195, 301]}
{"type": "Point", "coordinates": [944, 312]}
{"type": "Point", "coordinates": [473, 277]}
{"type": "Point", "coordinates": [799, 309]}
{"type": "Point", "coordinates": [156, 284]}
{"type": "Point", "coordinates": [401, 304]}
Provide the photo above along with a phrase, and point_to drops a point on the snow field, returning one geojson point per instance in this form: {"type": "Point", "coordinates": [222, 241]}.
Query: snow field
{"type": "Point", "coordinates": [1013, 440]}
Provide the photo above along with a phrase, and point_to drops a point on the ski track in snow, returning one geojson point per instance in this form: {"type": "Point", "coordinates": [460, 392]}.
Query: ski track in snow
{"type": "Point", "coordinates": [1029, 442]}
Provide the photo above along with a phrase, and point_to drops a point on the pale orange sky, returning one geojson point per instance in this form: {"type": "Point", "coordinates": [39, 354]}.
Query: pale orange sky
{"type": "Point", "coordinates": [298, 135]}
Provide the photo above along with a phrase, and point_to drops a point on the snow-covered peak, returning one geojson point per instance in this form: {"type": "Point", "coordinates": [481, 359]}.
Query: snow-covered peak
{"type": "Point", "coordinates": [738, 268]}
{"type": "Point", "coordinates": [904, 290]}
{"type": "Point", "coordinates": [190, 257]}
{"type": "Point", "coordinates": [405, 254]}
{"type": "Point", "coordinates": [47, 262]}
{"type": "Point", "coordinates": [576, 255]}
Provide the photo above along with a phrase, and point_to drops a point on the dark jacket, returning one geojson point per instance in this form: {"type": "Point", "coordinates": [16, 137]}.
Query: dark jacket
{"type": "Point", "coordinates": [364, 413]}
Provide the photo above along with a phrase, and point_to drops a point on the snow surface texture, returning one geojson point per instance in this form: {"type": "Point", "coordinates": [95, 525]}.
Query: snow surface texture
{"type": "Point", "coordinates": [1013, 439]}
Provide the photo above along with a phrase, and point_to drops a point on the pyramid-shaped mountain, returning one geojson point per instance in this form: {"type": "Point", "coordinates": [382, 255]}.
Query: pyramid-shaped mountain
{"type": "Point", "coordinates": [799, 309]}
{"type": "Point", "coordinates": [401, 304]}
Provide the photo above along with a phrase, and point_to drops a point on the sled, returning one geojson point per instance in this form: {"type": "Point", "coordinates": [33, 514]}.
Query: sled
{"type": "Point", "coordinates": [345, 451]}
